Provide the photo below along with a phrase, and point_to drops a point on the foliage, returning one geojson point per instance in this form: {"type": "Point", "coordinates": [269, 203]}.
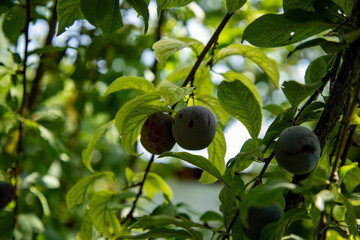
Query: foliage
{"type": "Point", "coordinates": [74, 99]}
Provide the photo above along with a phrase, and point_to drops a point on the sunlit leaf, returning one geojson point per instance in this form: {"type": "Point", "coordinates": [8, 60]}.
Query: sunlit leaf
{"type": "Point", "coordinates": [216, 150]}
{"type": "Point", "coordinates": [86, 230]}
{"type": "Point", "coordinates": [171, 94]}
{"type": "Point", "coordinates": [241, 103]}
{"type": "Point", "coordinates": [233, 5]}
{"type": "Point", "coordinates": [76, 194]}
{"type": "Point", "coordinates": [130, 82]}
{"type": "Point", "coordinates": [42, 199]}
{"type": "Point", "coordinates": [103, 218]}
{"type": "Point", "coordinates": [130, 118]}
{"type": "Point", "coordinates": [165, 47]}
{"type": "Point", "coordinates": [231, 76]}
{"type": "Point", "coordinates": [214, 105]}
{"type": "Point", "coordinates": [86, 154]}
{"type": "Point", "coordinates": [268, 65]}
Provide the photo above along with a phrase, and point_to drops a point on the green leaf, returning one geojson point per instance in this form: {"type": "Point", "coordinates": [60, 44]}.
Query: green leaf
{"type": "Point", "coordinates": [197, 161]}
{"type": "Point", "coordinates": [231, 76]}
{"type": "Point", "coordinates": [141, 7]}
{"type": "Point", "coordinates": [275, 230]}
{"type": "Point", "coordinates": [268, 65]}
{"type": "Point", "coordinates": [86, 153]}
{"type": "Point", "coordinates": [241, 103]}
{"type": "Point", "coordinates": [67, 12]}
{"type": "Point", "coordinates": [329, 11]}
{"type": "Point", "coordinates": [179, 75]}
{"type": "Point", "coordinates": [112, 20]}
{"type": "Point", "coordinates": [214, 105]}
{"type": "Point", "coordinates": [164, 48]}
{"type": "Point", "coordinates": [347, 5]}
{"type": "Point", "coordinates": [162, 220]}
{"type": "Point", "coordinates": [86, 230]}
{"type": "Point", "coordinates": [103, 218]}
{"type": "Point", "coordinates": [298, 4]}
{"type": "Point", "coordinates": [42, 199]}
{"type": "Point", "coordinates": [350, 217]}
{"type": "Point", "coordinates": [130, 118]}
{"type": "Point", "coordinates": [263, 195]}
{"type": "Point", "coordinates": [349, 175]}
{"type": "Point", "coordinates": [211, 216]}
{"type": "Point", "coordinates": [14, 23]}
{"type": "Point", "coordinates": [330, 47]}
{"type": "Point", "coordinates": [130, 82]}
{"type": "Point", "coordinates": [216, 150]}
{"type": "Point", "coordinates": [5, 5]}
{"type": "Point", "coordinates": [159, 233]}
{"type": "Point", "coordinates": [104, 14]}
{"type": "Point", "coordinates": [76, 194]}
{"type": "Point", "coordinates": [276, 30]}
{"type": "Point", "coordinates": [281, 122]}
{"type": "Point", "coordinates": [229, 197]}
{"type": "Point", "coordinates": [171, 94]}
{"type": "Point", "coordinates": [249, 152]}
{"type": "Point", "coordinates": [233, 5]}
{"type": "Point", "coordinates": [29, 223]}
{"type": "Point", "coordinates": [165, 4]}
{"type": "Point", "coordinates": [296, 92]}
{"type": "Point", "coordinates": [318, 68]}
{"type": "Point", "coordinates": [154, 183]}
{"type": "Point", "coordinates": [274, 108]}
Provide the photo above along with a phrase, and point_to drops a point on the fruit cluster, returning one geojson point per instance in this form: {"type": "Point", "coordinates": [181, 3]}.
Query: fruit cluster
{"type": "Point", "coordinates": [193, 128]}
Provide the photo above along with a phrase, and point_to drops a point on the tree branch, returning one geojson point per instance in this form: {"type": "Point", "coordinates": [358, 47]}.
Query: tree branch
{"type": "Point", "coordinates": [35, 89]}
{"type": "Point", "coordinates": [213, 39]}
{"type": "Point", "coordinates": [147, 170]}
{"type": "Point", "coordinates": [15, 167]}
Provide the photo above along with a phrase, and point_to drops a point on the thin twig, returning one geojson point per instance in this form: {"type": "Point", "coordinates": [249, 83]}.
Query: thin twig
{"type": "Point", "coordinates": [231, 225]}
{"type": "Point", "coordinates": [348, 145]}
{"type": "Point", "coordinates": [346, 122]}
{"type": "Point", "coordinates": [213, 39]}
{"type": "Point", "coordinates": [263, 170]}
{"type": "Point", "coordinates": [157, 38]}
{"type": "Point", "coordinates": [147, 170]}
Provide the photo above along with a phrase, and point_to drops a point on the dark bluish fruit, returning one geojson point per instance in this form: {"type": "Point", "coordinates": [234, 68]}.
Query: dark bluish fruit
{"type": "Point", "coordinates": [297, 150]}
{"type": "Point", "coordinates": [259, 217]}
{"type": "Point", "coordinates": [7, 194]}
{"type": "Point", "coordinates": [194, 127]}
{"type": "Point", "coordinates": [156, 135]}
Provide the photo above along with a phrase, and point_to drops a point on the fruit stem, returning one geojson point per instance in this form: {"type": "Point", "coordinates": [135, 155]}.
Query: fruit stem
{"type": "Point", "coordinates": [212, 41]}
{"type": "Point", "coordinates": [147, 170]}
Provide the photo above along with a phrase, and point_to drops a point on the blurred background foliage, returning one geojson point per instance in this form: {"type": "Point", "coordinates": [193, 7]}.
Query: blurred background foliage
{"type": "Point", "coordinates": [67, 77]}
